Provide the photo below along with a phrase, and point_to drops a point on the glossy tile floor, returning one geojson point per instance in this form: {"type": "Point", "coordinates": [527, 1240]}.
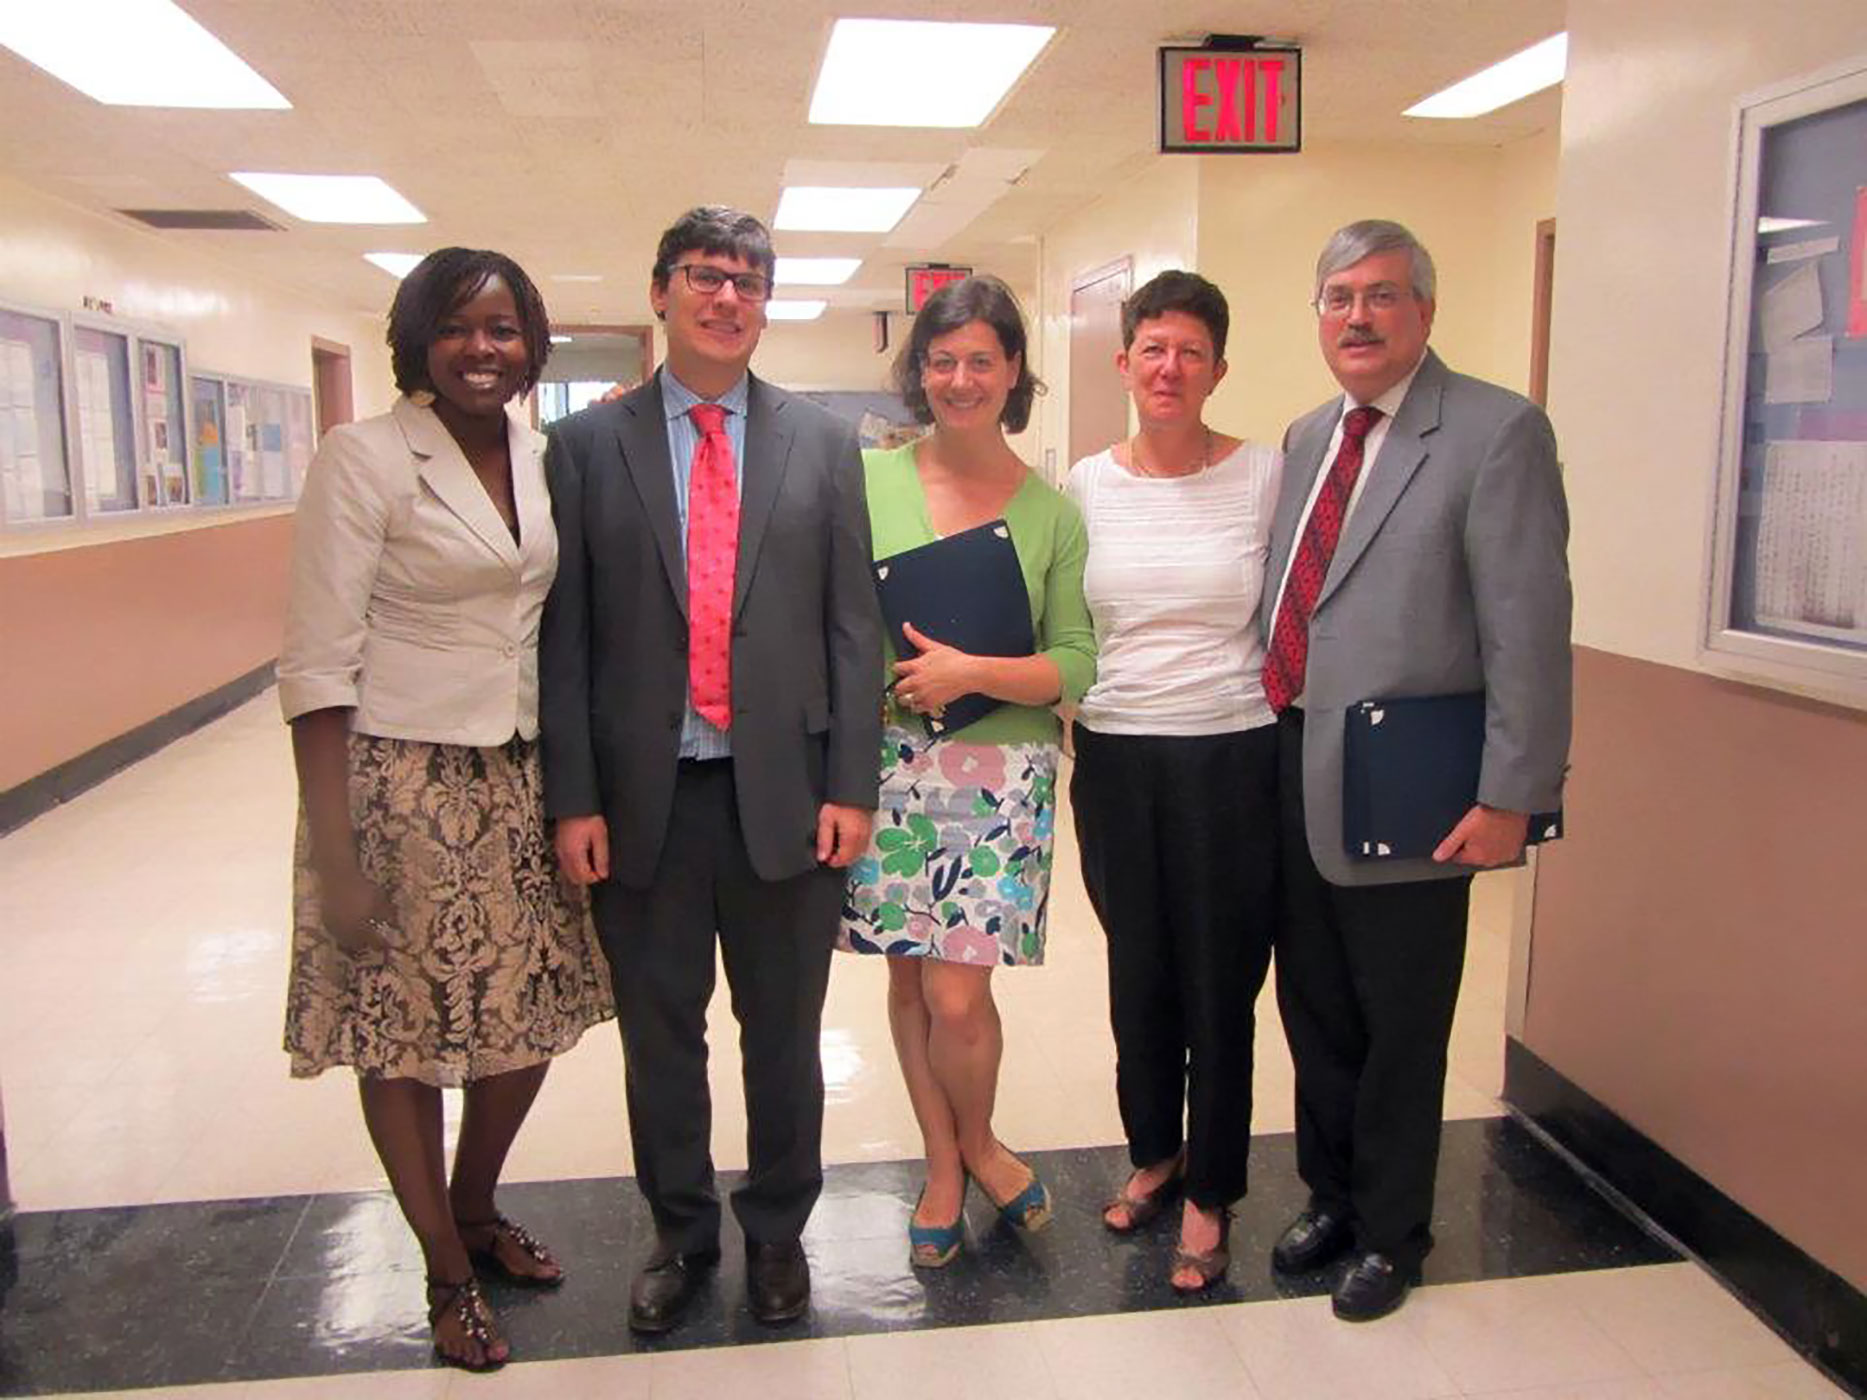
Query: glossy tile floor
{"type": "Point", "coordinates": [141, 965]}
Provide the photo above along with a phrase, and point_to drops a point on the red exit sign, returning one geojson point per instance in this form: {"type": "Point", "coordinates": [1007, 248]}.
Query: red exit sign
{"type": "Point", "coordinates": [924, 279]}
{"type": "Point", "coordinates": [1219, 98]}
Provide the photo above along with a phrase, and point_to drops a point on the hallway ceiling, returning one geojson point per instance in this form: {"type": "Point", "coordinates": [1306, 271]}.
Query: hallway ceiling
{"type": "Point", "coordinates": [570, 132]}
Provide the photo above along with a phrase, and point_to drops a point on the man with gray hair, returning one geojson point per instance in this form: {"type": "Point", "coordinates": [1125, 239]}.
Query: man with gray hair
{"type": "Point", "coordinates": [1419, 549]}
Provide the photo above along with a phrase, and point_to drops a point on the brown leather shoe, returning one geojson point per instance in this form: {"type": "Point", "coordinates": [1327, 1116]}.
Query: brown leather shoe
{"type": "Point", "coordinates": [666, 1285]}
{"type": "Point", "coordinates": [777, 1281]}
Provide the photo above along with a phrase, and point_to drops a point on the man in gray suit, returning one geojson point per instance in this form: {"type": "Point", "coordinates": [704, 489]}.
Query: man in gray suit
{"type": "Point", "coordinates": [1418, 549]}
{"type": "Point", "coordinates": [711, 672]}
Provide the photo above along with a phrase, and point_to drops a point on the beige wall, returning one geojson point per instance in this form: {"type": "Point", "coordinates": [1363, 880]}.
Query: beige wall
{"type": "Point", "coordinates": [1696, 960]}
{"type": "Point", "coordinates": [53, 255]}
{"type": "Point", "coordinates": [836, 351]}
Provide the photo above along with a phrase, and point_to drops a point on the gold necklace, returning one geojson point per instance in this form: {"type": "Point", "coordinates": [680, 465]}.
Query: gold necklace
{"type": "Point", "coordinates": [1142, 469]}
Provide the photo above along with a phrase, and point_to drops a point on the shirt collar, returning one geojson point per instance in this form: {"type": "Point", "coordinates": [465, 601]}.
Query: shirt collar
{"type": "Point", "coordinates": [677, 398]}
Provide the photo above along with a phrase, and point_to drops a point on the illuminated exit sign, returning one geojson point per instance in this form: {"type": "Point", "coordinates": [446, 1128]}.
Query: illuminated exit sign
{"type": "Point", "coordinates": [1232, 94]}
{"type": "Point", "coordinates": [924, 279]}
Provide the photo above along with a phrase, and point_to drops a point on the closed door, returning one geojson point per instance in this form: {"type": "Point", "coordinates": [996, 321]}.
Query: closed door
{"type": "Point", "coordinates": [1098, 402]}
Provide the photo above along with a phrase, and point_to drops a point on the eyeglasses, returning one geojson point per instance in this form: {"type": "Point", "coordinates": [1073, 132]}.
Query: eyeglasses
{"type": "Point", "coordinates": [1339, 301]}
{"type": "Point", "coordinates": [707, 280]}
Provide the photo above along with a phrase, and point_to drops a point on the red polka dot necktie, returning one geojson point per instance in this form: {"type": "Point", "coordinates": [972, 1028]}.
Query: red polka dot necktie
{"type": "Point", "coordinates": [712, 550]}
{"type": "Point", "coordinates": [1289, 650]}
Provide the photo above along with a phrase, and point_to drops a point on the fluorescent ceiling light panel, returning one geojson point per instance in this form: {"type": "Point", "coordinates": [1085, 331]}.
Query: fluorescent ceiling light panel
{"type": "Point", "coordinates": [333, 199]}
{"type": "Point", "coordinates": [560, 340]}
{"type": "Point", "coordinates": [894, 72]}
{"type": "Point", "coordinates": [816, 272]}
{"type": "Point", "coordinates": [1770, 223]}
{"type": "Point", "coordinates": [828, 209]}
{"type": "Point", "coordinates": [134, 53]}
{"type": "Point", "coordinates": [1537, 67]}
{"type": "Point", "coordinates": [395, 264]}
{"type": "Point", "coordinates": [794, 310]}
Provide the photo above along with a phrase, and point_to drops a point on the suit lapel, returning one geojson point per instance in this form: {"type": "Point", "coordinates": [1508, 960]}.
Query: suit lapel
{"type": "Point", "coordinates": [529, 496]}
{"type": "Point", "coordinates": [642, 436]}
{"type": "Point", "coordinates": [443, 466]}
{"type": "Point", "coordinates": [1402, 452]}
{"type": "Point", "coordinates": [768, 454]}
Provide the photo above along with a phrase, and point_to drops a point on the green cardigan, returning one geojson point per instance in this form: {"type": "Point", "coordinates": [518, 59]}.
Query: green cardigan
{"type": "Point", "coordinates": [1047, 531]}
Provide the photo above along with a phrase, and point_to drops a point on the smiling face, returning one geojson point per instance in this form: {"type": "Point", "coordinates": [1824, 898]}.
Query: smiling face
{"type": "Point", "coordinates": [1170, 369]}
{"type": "Point", "coordinates": [967, 377]}
{"type": "Point", "coordinates": [711, 335]}
{"type": "Point", "coordinates": [478, 360]}
{"type": "Point", "coordinates": [1380, 334]}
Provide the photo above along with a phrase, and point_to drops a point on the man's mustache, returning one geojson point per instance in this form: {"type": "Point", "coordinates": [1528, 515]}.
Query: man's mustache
{"type": "Point", "coordinates": [1349, 338]}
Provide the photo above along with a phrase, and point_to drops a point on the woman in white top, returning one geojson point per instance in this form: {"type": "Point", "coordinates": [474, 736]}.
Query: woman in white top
{"type": "Point", "coordinates": [434, 943]}
{"type": "Point", "coordinates": [1174, 788]}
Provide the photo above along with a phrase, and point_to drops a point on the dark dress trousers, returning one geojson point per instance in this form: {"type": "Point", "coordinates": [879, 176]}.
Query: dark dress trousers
{"type": "Point", "coordinates": [723, 850]}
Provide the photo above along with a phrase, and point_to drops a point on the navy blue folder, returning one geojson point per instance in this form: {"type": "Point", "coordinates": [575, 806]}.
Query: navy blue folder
{"type": "Point", "coordinates": [966, 590]}
{"type": "Point", "coordinates": [1410, 773]}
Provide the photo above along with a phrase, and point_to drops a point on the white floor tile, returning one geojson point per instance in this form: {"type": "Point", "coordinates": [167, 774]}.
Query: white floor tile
{"type": "Point", "coordinates": [1514, 1333]}
{"type": "Point", "coordinates": [1299, 1350]}
{"type": "Point", "coordinates": [812, 1370]}
{"type": "Point", "coordinates": [1786, 1380]}
{"type": "Point", "coordinates": [1674, 1318]}
{"type": "Point", "coordinates": [595, 1378]}
{"type": "Point", "coordinates": [1181, 1354]}
{"type": "Point", "coordinates": [953, 1363]}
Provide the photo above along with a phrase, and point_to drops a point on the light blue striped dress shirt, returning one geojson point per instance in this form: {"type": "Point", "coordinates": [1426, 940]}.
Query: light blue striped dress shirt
{"type": "Point", "coordinates": [699, 739]}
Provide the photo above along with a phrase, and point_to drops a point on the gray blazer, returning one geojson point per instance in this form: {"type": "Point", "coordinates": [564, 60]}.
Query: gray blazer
{"type": "Point", "coordinates": [1451, 575]}
{"type": "Point", "coordinates": [807, 635]}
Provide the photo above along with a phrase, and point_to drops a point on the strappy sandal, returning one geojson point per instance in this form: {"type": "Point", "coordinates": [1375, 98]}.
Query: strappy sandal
{"type": "Point", "coordinates": [487, 1256]}
{"type": "Point", "coordinates": [1143, 1211]}
{"type": "Point", "coordinates": [1209, 1264]}
{"type": "Point", "coordinates": [469, 1309]}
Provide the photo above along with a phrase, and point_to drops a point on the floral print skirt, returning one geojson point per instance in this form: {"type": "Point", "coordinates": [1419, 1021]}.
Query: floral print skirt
{"type": "Point", "coordinates": [958, 867]}
{"type": "Point", "coordinates": [494, 965]}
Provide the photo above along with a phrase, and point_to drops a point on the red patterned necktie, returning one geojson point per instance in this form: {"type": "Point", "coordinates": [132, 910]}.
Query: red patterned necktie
{"type": "Point", "coordinates": [712, 550]}
{"type": "Point", "coordinates": [1289, 650]}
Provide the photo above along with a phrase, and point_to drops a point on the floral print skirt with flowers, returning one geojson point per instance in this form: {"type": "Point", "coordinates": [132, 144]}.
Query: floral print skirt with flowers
{"type": "Point", "coordinates": [958, 867]}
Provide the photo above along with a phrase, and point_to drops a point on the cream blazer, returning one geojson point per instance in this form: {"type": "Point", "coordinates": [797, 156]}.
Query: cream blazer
{"type": "Point", "coordinates": [410, 602]}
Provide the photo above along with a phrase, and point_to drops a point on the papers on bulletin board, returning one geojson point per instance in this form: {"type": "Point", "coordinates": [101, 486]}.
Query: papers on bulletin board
{"type": "Point", "coordinates": [1802, 371]}
{"type": "Point", "coordinates": [97, 425]}
{"type": "Point", "coordinates": [1812, 539]}
{"type": "Point", "coordinates": [1792, 305]}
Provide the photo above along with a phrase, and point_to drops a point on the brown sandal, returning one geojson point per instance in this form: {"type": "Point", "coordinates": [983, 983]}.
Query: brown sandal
{"type": "Point", "coordinates": [1210, 1265]}
{"type": "Point", "coordinates": [469, 1309]}
{"type": "Point", "coordinates": [1144, 1210]}
{"type": "Point", "coordinates": [487, 1255]}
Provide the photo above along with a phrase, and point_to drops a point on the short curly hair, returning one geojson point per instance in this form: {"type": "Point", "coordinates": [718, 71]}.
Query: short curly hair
{"type": "Point", "coordinates": [439, 285]}
{"type": "Point", "coordinates": [1185, 292]}
{"type": "Point", "coordinates": [978, 298]}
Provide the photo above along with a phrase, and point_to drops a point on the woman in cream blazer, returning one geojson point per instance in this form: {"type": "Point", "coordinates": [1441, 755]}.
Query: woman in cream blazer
{"type": "Point", "coordinates": [434, 944]}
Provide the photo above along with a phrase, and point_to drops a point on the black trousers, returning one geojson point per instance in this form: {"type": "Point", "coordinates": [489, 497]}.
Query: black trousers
{"type": "Point", "coordinates": [1367, 981]}
{"type": "Point", "coordinates": [1178, 836]}
{"type": "Point", "coordinates": [775, 940]}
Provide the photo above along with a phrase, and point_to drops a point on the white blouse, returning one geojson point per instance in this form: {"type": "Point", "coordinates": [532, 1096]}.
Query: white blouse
{"type": "Point", "coordinates": [1175, 573]}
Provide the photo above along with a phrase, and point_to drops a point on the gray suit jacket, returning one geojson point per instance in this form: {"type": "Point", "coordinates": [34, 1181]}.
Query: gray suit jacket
{"type": "Point", "coordinates": [1451, 575]}
{"type": "Point", "coordinates": [807, 635]}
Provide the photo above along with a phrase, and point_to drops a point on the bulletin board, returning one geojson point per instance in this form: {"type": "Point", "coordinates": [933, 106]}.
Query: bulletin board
{"type": "Point", "coordinates": [1787, 598]}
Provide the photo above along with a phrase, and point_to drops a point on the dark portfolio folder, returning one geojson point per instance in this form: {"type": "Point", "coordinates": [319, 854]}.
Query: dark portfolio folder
{"type": "Point", "coordinates": [1410, 772]}
{"type": "Point", "coordinates": [967, 591]}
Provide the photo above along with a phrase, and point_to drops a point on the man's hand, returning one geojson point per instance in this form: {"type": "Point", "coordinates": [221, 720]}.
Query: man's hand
{"type": "Point", "coordinates": [583, 849]}
{"type": "Point", "coordinates": [1485, 836]}
{"type": "Point", "coordinates": [842, 833]}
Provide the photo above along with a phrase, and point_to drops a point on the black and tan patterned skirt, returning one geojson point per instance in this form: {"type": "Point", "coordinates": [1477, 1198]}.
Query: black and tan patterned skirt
{"type": "Point", "coordinates": [494, 965]}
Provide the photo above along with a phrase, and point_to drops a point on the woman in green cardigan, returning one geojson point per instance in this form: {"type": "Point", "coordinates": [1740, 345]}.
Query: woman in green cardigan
{"type": "Point", "coordinates": [956, 880]}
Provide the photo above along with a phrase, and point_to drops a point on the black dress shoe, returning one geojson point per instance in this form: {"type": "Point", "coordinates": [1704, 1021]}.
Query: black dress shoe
{"type": "Point", "coordinates": [665, 1286]}
{"type": "Point", "coordinates": [1374, 1286]}
{"type": "Point", "coordinates": [1312, 1240]}
{"type": "Point", "coordinates": [777, 1281]}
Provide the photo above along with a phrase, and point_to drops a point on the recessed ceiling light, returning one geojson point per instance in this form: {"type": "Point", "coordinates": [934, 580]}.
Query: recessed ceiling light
{"type": "Point", "coordinates": [794, 310]}
{"type": "Point", "coordinates": [816, 272]}
{"type": "Point", "coordinates": [576, 277]}
{"type": "Point", "coordinates": [333, 199]}
{"type": "Point", "coordinates": [1537, 67]}
{"type": "Point", "coordinates": [829, 209]}
{"type": "Point", "coordinates": [1771, 223]}
{"type": "Point", "coordinates": [395, 264]}
{"type": "Point", "coordinates": [893, 72]}
{"type": "Point", "coordinates": [134, 53]}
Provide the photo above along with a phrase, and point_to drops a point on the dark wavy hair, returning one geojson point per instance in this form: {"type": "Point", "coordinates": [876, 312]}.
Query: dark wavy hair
{"type": "Point", "coordinates": [716, 229]}
{"type": "Point", "coordinates": [439, 285]}
{"type": "Point", "coordinates": [978, 298]}
{"type": "Point", "coordinates": [1186, 292]}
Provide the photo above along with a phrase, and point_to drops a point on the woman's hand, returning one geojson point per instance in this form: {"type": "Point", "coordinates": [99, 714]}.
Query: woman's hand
{"type": "Point", "coordinates": [357, 913]}
{"type": "Point", "coordinates": [929, 682]}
